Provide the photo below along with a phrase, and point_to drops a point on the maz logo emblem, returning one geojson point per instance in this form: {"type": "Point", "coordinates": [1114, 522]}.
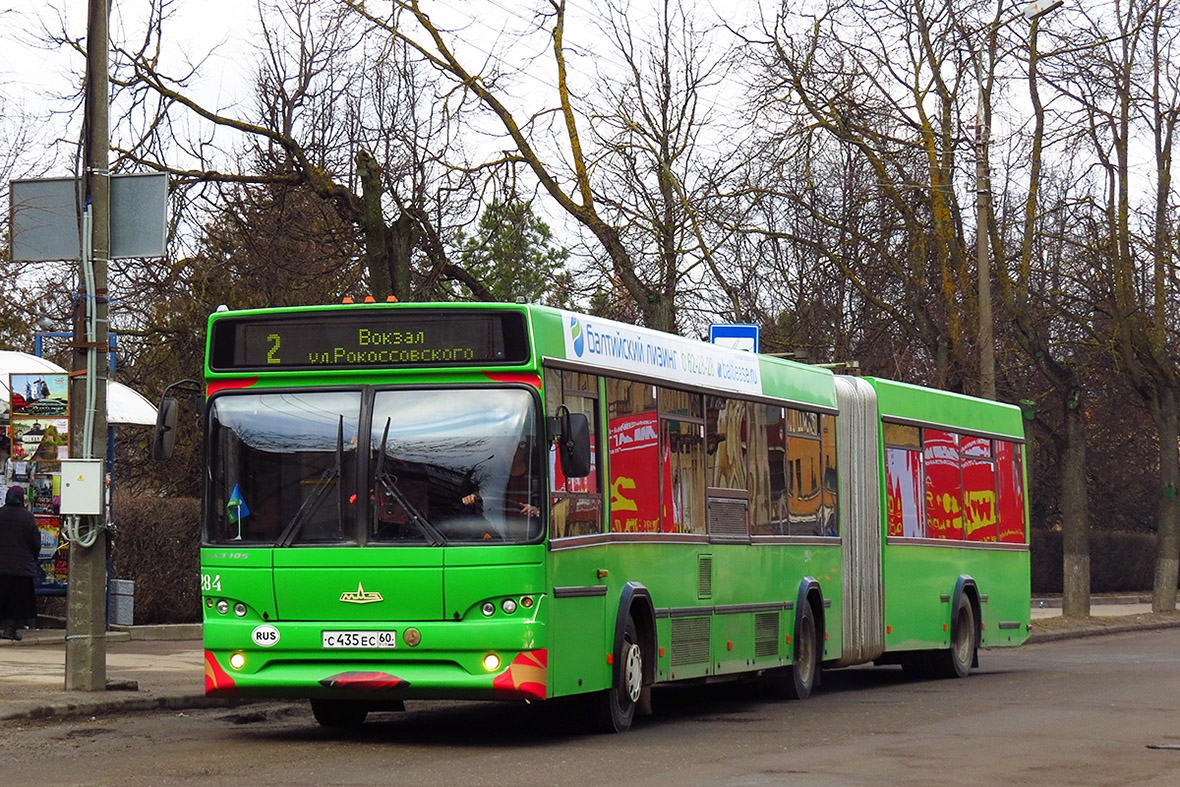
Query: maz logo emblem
{"type": "Point", "coordinates": [360, 596]}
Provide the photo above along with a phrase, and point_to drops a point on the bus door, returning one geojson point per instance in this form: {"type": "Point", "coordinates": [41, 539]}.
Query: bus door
{"type": "Point", "coordinates": [580, 621]}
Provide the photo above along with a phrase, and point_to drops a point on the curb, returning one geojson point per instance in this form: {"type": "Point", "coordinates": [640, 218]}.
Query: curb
{"type": "Point", "coordinates": [1056, 636]}
{"type": "Point", "coordinates": [176, 632]}
{"type": "Point", "coordinates": [176, 702]}
{"type": "Point", "coordinates": [166, 632]}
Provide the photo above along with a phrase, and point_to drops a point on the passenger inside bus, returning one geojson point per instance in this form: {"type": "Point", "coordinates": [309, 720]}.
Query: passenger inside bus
{"type": "Point", "coordinates": [520, 491]}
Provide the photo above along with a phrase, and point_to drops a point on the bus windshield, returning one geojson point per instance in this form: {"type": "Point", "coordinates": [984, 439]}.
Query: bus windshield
{"type": "Point", "coordinates": [454, 465]}
{"type": "Point", "coordinates": [283, 467]}
{"type": "Point", "coordinates": [445, 466]}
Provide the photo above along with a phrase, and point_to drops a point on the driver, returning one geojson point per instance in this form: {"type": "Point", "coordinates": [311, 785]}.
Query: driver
{"type": "Point", "coordinates": [518, 492]}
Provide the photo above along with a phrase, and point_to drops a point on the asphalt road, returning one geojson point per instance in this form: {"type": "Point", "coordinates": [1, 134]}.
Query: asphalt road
{"type": "Point", "coordinates": [1086, 711]}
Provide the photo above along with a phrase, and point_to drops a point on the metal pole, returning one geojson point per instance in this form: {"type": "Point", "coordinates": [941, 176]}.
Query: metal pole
{"type": "Point", "coordinates": [983, 205]}
{"type": "Point", "coordinates": [86, 600]}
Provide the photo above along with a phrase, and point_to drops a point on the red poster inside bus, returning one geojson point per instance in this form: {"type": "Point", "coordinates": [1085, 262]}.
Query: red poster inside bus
{"type": "Point", "coordinates": [944, 487]}
{"type": "Point", "coordinates": [634, 479]}
{"type": "Point", "coordinates": [979, 489]}
{"type": "Point", "coordinates": [1009, 483]}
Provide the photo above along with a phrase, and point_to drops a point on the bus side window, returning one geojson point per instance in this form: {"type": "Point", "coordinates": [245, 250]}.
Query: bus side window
{"type": "Point", "coordinates": [633, 446]}
{"type": "Point", "coordinates": [576, 503]}
{"type": "Point", "coordinates": [1010, 491]}
{"type": "Point", "coordinates": [682, 462]}
{"type": "Point", "coordinates": [830, 510]}
{"type": "Point", "coordinates": [944, 484]}
{"type": "Point", "coordinates": [769, 514]}
{"type": "Point", "coordinates": [804, 473]}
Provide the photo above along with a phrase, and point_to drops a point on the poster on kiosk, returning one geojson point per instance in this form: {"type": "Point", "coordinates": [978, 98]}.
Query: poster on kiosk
{"type": "Point", "coordinates": [36, 442]}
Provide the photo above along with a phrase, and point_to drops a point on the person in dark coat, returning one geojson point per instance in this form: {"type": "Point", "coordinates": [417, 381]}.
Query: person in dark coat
{"type": "Point", "coordinates": [20, 545]}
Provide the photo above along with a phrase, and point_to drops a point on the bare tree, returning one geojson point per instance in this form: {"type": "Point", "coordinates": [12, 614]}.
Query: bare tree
{"type": "Point", "coordinates": [1038, 307]}
{"type": "Point", "coordinates": [653, 122]}
{"type": "Point", "coordinates": [1125, 85]}
{"type": "Point", "coordinates": [881, 79]}
{"type": "Point", "coordinates": [336, 111]}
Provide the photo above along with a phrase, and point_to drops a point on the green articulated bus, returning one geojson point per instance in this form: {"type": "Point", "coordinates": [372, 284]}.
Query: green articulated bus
{"type": "Point", "coordinates": [502, 501]}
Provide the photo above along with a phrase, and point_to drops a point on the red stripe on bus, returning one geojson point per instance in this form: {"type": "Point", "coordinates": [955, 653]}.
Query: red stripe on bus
{"type": "Point", "coordinates": [227, 385]}
{"type": "Point", "coordinates": [515, 377]}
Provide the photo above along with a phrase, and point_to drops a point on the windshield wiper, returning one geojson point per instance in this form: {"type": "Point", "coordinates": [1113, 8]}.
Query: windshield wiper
{"type": "Point", "coordinates": [388, 485]}
{"type": "Point", "coordinates": [312, 502]}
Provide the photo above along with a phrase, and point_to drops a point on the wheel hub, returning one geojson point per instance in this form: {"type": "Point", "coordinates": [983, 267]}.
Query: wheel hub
{"type": "Point", "coordinates": [633, 671]}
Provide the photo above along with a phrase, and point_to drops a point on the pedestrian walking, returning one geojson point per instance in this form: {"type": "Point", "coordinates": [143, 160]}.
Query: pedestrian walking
{"type": "Point", "coordinates": [20, 544]}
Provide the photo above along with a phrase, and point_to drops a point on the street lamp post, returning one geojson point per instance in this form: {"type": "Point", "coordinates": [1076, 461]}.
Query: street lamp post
{"type": "Point", "coordinates": [983, 208]}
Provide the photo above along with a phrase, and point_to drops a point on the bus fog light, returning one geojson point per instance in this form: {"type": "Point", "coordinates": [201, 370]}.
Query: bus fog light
{"type": "Point", "coordinates": [509, 606]}
{"type": "Point", "coordinates": [240, 609]}
{"type": "Point", "coordinates": [222, 606]}
{"type": "Point", "coordinates": [491, 662]}
{"type": "Point", "coordinates": [237, 660]}
{"type": "Point", "coordinates": [411, 637]}
{"type": "Point", "coordinates": [489, 608]}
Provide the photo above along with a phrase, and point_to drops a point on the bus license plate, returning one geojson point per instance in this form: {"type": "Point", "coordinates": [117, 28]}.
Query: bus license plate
{"type": "Point", "coordinates": [360, 639]}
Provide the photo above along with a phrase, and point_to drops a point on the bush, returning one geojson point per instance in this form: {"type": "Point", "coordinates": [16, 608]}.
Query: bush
{"type": "Point", "coordinates": [1119, 562]}
{"type": "Point", "coordinates": [157, 545]}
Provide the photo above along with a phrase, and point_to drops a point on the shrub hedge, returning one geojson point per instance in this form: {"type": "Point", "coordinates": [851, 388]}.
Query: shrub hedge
{"type": "Point", "coordinates": [1119, 562]}
{"type": "Point", "coordinates": [157, 545]}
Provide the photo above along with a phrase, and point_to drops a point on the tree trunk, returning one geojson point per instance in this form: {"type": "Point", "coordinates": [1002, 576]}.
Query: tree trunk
{"type": "Point", "coordinates": [1167, 560]}
{"type": "Point", "coordinates": [372, 221]}
{"type": "Point", "coordinates": [1075, 525]}
{"type": "Point", "coordinates": [403, 238]}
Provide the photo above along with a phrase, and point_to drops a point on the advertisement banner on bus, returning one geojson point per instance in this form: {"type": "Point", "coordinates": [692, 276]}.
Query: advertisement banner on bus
{"type": "Point", "coordinates": [629, 348]}
{"type": "Point", "coordinates": [634, 452]}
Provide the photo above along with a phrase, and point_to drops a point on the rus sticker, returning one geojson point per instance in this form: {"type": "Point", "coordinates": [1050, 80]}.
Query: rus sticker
{"type": "Point", "coordinates": [265, 636]}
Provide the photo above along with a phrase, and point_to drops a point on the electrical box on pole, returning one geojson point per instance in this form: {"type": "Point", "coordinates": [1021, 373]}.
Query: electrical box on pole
{"type": "Point", "coordinates": [82, 482]}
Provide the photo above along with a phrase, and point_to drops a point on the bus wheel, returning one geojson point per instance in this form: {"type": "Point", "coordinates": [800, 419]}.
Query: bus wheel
{"type": "Point", "coordinates": [805, 669]}
{"type": "Point", "coordinates": [339, 713]}
{"type": "Point", "coordinates": [957, 660]}
{"type": "Point", "coordinates": [617, 704]}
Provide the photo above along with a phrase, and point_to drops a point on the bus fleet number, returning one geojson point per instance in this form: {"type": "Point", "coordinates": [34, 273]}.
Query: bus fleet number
{"type": "Point", "coordinates": [211, 582]}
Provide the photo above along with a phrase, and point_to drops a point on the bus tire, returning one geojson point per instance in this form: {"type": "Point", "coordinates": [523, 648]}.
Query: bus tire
{"type": "Point", "coordinates": [958, 659]}
{"type": "Point", "coordinates": [805, 667]}
{"type": "Point", "coordinates": [339, 713]}
{"type": "Point", "coordinates": [616, 705]}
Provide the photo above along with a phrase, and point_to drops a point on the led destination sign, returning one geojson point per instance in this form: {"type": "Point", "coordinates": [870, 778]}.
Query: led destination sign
{"type": "Point", "coordinates": [370, 339]}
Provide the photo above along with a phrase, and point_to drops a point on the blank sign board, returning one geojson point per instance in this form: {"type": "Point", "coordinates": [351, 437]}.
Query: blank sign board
{"type": "Point", "coordinates": [46, 217]}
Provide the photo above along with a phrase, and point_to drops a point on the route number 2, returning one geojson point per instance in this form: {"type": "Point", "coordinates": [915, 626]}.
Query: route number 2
{"type": "Point", "coordinates": [272, 354]}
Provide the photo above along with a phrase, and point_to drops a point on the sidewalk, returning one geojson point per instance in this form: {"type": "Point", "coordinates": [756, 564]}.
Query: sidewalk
{"type": "Point", "coordinates": [147, 667]}
{"type": "Point", "coordinates": [152, 667]}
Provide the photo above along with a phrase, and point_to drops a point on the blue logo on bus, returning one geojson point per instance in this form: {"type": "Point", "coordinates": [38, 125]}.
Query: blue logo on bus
{"type": "Point", "coordinates": [576, 335]}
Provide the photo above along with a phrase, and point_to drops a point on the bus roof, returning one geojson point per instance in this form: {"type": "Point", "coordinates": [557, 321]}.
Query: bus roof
{"type": "Point", "coordinates": [902, 402]}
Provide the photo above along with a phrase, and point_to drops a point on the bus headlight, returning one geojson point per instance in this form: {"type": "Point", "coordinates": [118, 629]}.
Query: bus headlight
{"type": "Point", "coordinates": [240, 609]}
{"type": "Point", "coordinates": [488, 608]}
{"type": "Point", "coordinates": [509, 606]}
{"type": "Point", "coordinates": [222, 606]}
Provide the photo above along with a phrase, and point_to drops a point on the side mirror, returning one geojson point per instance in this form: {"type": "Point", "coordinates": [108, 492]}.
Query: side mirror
{"type": "Point", "coordinates": [164, 435]}
{"type": "Point", "coordinates": [571, 432]}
